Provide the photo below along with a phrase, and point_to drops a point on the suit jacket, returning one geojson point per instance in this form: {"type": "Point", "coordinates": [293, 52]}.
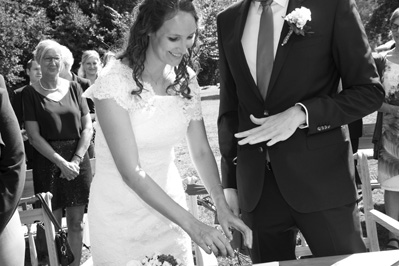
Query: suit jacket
{"type": "Point", "coordinates": [314, 167]}
{"type": "Point", "coordinates": [12, 161]}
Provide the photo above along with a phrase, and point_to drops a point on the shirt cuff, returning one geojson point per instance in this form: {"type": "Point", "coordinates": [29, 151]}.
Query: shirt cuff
{"type": "Point", "coordinates": [306, 125]}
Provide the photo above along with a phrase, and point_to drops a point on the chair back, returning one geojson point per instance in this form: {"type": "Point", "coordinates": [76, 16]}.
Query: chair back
{"type": "Point", "coordinates": [28, 188]}
{"type": "Point", "coordinates": [30, 216]}
{"type": "Point", "coordinates": [371, 215]}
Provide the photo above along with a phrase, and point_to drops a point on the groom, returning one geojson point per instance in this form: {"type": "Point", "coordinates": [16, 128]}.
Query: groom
{"type": "Point", "coordinates": [286, 156]}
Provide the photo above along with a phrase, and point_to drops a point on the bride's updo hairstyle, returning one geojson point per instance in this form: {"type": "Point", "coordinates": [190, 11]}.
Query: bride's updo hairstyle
{"type": "Point", "coordinates": [148, 17]}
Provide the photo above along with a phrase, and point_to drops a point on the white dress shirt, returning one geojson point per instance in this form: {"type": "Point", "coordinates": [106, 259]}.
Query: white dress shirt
{"type": "Point", "coordinates": [249, 38]}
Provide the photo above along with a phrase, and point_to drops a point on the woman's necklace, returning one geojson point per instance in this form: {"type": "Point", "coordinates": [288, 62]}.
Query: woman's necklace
{"type": "Point", "coordinates": [41, 85]}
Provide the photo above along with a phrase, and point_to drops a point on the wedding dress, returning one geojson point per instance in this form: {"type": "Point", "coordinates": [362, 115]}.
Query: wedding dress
{"type": "Point", "coordinates": [122, 226]}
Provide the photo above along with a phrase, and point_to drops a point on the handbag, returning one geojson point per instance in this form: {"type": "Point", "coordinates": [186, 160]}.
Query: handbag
{"type": "Point", "coordinates": [64, 251]}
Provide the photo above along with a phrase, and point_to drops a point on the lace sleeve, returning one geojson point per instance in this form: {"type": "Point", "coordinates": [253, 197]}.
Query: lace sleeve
{"type": "Point", "coordinates": [193, 109]}
{"type": "Point", "coordinates": [115, 82]}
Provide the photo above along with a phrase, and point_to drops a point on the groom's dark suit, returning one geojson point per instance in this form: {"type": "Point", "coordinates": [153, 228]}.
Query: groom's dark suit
{"type": "Point", "coordinates": [313, 169]}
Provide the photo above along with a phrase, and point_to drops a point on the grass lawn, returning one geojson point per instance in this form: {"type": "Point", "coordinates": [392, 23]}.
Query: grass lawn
{"type": "Point", "coordinates": [210, 105]}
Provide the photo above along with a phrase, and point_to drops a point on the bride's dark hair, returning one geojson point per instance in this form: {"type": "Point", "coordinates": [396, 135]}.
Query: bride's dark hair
{"type": "Point", "coordinates": [148, 17]}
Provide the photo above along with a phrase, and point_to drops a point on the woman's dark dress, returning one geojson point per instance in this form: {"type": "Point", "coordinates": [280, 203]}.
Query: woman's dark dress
{"type": "Point", "coordinates": [60, 125]}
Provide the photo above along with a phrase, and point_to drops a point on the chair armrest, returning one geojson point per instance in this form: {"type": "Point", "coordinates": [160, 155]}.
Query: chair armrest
{"type": "Point", "coordinates": [386, 221]}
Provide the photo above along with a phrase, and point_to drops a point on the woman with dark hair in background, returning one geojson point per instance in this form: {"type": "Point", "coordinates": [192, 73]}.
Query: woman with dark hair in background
{"type": "Point", "coordinates": [147, 101]}
{"type": "Point", "coordinates": [34, 73]}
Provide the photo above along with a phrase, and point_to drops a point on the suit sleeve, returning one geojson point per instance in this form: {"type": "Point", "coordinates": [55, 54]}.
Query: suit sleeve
{"type": "Point", "coordinates": [12, 161]}
{"type": "Point", "coordinates": [228, 117]}
{"type": "Point", "coordinates": [362, 91]}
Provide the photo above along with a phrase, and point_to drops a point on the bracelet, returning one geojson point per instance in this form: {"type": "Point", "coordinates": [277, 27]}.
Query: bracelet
{"type": "Point", "coordinates": [218, 185]}
{"type": "Point", "coordinates": [80, 157]}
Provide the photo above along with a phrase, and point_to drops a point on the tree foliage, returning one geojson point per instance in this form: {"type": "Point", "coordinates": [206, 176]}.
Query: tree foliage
{"type": "Point", "coordinates": [375, 15]}
{"type": "Point", "coordinates": [208, 54]}
{"type": "Point", "coordinates": [21, 27]}
{"type": "Point", "coordinates": [101, 25]}
{"type": "Point", "coordinates": [79, 25]}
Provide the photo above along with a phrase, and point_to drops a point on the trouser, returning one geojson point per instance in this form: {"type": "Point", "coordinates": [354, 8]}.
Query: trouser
{"type": "Point", "coordinates": [275, 225]}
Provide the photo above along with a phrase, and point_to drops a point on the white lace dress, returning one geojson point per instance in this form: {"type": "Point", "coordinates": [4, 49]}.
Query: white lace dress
{"type": "Point", "coordinates": [122, 226]}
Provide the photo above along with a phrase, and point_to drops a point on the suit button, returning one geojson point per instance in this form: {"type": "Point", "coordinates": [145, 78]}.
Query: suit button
{"type": "Point", "coordinates": [318, 128]}
{"type": "Point", "coordinates": [266, 113]}
{"type": "Point", "coordinates": [260, 149]}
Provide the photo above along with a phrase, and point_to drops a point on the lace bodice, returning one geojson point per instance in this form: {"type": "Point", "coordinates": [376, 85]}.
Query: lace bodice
{"type": "Point", "coordinates": [116, 82]}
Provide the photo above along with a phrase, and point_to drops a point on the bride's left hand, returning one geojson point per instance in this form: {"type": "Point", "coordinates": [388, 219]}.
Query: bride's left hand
{"type": "Point", "coordinates": [209, 239]}
{"type": "Point", "coordinates": [228, 220]}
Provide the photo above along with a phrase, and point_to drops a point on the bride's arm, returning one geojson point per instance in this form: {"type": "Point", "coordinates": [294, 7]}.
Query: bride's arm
{"type": "Point", "coordinates": [116, 126]}
{"type": "Point", "coordinates": [204, 161]}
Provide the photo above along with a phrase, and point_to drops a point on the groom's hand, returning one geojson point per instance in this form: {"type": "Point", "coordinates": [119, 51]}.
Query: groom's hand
{"type": "Point", "coordinates": [274, 128]}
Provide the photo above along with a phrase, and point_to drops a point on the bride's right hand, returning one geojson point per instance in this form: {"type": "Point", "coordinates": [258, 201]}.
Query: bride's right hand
{"type": "Point", "coordinates": [210, 239]}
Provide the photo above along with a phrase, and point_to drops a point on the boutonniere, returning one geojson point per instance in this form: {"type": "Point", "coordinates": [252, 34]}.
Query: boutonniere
{"type": "Point", "coordinates": [297, 20]}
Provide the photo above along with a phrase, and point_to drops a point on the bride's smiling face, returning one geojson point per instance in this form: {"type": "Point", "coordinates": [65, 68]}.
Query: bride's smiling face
{"type": "Point", "coordinates": [173, 39]}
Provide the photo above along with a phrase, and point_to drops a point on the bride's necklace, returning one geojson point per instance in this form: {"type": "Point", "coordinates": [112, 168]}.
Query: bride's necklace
{"type": "Point", "coordinates": [41, 85]}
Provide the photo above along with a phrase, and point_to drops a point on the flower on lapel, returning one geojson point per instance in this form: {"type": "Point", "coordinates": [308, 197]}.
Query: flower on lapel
{"type": "Point", "coordinates": [297, 20]}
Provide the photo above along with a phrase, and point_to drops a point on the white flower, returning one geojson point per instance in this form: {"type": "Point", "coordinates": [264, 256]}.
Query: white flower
{"type": "Point", "coordinates": [297, 20]}
{"type": "Point", "coordinates": [299, 17]}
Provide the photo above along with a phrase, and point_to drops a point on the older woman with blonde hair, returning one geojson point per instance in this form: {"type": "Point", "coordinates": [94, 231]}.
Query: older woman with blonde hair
{"type": "Point", "coordinates": [90, 65]}
{"type": "Point", "coordinates": [59, 127]}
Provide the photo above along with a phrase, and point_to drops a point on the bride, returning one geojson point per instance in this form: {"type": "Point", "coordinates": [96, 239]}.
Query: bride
{"type": "Point", "coordinates": [146, 102]}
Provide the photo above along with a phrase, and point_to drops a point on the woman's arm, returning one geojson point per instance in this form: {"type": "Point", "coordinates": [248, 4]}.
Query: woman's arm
{"type": "Point", "coordinates": [69, 170]}
{"type": "Point", "coordinates": [206, 166]}
{"type": "Point", "coordinates": [85, 137]}
{"type": "Point", "coordinates": [118, 132]}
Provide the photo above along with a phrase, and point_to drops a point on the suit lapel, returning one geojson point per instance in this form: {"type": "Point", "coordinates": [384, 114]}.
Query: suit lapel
{"type": "Point", "coordinates": [239, 51]}
{"type": "Point", "coordinates": [282, 51]}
